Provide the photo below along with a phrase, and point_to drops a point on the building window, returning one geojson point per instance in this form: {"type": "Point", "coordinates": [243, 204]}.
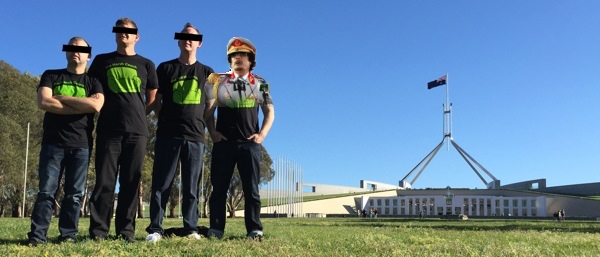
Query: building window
{"type": "Point", "coordinates": [506, 204]}
{"type": "Point", "coordinates": [533, 203]}
{"type": "Point", "coordinates": [448, 201]}
{"type": "Point", "coordinates": [524, 202]}
{"type": "Point", "coordinates": [387, 202]}
{"type": "Point", "coordinates": [402, 202]}
{"type": "Point", "coordinates": [394, 202]}
{"type": "Point", "coordinates": [378, 202]}
{"type": "Point", "coordinates": [515, 203]}
{"type": "Point", "coordinates": [371, 202]}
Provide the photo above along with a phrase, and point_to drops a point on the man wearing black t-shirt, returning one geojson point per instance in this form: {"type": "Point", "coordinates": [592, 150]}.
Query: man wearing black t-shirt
{"type": "Point", "coordinates": [237, 137]}
{"type": "Point", "coordinates": [70, 99]}
{"type": "Point", "coordinates": [180, 106]}
{"type": "Point", "coordinates": [130, 83]}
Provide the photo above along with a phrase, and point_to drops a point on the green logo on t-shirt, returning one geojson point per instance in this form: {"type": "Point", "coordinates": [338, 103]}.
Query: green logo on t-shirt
{"type": "Point", "coordinates": [244, 103]}
{"type": "Point", "coordinates": [186, 91]}
{"type": "Point", "coordinates": [123, 78]}
{"type": "Point", "coordinates": [69, 88]}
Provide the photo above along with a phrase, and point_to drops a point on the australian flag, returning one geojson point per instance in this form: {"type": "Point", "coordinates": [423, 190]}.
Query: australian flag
{"type": "Point", "coordinates": [437, 82]}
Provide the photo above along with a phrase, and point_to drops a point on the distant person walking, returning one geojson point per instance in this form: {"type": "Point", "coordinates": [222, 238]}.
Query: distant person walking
{"type": "Point", "coordinates": [70, 98]}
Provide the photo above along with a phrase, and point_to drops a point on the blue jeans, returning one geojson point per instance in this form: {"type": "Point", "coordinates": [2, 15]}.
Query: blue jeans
{"type": "Point", "coordinates": [168, 153]}
{"type": "Point", "coordinates": [74, 162]}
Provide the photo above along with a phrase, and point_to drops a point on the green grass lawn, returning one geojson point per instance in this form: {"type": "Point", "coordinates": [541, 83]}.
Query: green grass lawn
{"type": "Point", "coordinates": [335, 237]}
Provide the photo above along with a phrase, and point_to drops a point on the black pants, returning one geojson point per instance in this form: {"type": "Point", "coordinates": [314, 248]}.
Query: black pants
{"type": "Point", "coordinates": [225, 156]}
{"type": "Point", "coordinates": [117, 154]}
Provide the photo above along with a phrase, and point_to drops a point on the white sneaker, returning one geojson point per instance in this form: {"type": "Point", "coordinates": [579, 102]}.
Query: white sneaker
{"type": "Point", "coordinates": [194, 235]}
{"type": "Point", "coordinates": [153, 238]}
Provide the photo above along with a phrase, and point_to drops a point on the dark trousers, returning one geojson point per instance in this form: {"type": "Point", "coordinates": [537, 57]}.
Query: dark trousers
{"type": "Point", "coordinates": [225, 156]}
{"type": "Point", "coordinates": [168, 153]}
{"type": "Point", "coordinates": [119, 154]}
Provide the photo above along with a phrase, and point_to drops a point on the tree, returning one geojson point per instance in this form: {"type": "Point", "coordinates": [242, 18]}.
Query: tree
{"type": "Point", "coordinates": [18, 107]}
{"type": "Point", "coordinates": [145, 191]}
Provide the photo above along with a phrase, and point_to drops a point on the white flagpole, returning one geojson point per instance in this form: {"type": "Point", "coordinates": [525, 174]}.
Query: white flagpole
{"type": "Point", "coordinates": [449, 114]}
{"type": "Point", "coordinates": [25, 172]}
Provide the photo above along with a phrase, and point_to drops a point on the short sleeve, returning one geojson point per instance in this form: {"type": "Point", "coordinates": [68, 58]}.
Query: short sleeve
{"type": "Point", "coordinates": [152, 77]}
{"type": "Point", "coordinates": [96, 86]}
{"type": "Point", "coordinates": [45, 80]}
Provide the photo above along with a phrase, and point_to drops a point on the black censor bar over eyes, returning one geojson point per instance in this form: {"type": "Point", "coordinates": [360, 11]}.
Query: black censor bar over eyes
{"type": "Point", "coordinates": [125, 30]}
{"type": "Point", "coordinates": [191, 37]}
{"type": "Point", "coordinates": [77, 49]}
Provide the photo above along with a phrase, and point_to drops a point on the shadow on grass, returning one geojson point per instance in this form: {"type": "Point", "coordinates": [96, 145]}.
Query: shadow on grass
{"type": "Point", "coordinates": [474, 225]}
{"type": "Point", "coordinates": [13, 241]}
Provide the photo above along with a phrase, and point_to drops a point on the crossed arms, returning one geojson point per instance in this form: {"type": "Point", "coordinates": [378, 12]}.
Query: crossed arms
{"type": "Point", "coordinates": [67, 104]}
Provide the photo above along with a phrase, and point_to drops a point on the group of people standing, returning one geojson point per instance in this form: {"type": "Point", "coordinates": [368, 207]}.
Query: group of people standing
{"type": "Point", "coordinates": [372, 213]}
{"type": "Point", "coordinates": [124, 87]}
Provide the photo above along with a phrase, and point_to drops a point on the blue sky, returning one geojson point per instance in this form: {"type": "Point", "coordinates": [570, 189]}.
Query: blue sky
{"type": "Point", "coordinates": [349, 78]}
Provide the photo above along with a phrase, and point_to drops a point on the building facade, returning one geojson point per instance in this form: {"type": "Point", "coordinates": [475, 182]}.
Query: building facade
{"type": "Point", "coordinates": [470, 205]}
{"type": "Point", "coordinates": [477, 202]}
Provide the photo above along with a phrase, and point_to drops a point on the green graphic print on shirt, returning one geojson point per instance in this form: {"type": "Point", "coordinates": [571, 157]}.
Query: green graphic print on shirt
{"type": "Point", "coordinates": [123, 78]}
{"type": "Point", "coordinates": [186, 91]}
{"type": "Point", "coordinates": [237, 95]}
{"type": "Point", "coordinates": [69, 88]}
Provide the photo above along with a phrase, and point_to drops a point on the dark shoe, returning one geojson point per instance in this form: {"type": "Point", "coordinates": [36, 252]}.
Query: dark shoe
{"type": "Point", "coordinates": [128, 239]}
{"type": "Point", "coordinates": [33, 243]}
{"type": "Point", "coordinates": [255, 235]}
{"type": "Point", "coordinates": [213, 233]}
{"type": "Point", "coordinates": [98, 238]}
{"type": "Point", "coordinates": [66, 240]}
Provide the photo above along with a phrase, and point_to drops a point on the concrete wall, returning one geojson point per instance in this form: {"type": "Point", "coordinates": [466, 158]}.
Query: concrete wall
{"type": "Point", "coordinates": [574, 207]}
{"type": "Point", "coordinates": [526, 185]}
{"type": "Point", "coordinates": [341, 205]}
{"type": "Point", "coordinates": [323, 189]}
{"type": "Point", "coordinates": [587, 189]}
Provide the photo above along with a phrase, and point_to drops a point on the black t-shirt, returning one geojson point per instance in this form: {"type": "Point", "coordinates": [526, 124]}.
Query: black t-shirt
{"type": "Point", "coordinates": [183, 100]}
{"type": "Point", "coordinates": [125, 80]}
{"type": "Point", "coordinates": [238, 101]}
{"type": "Point", "coordinates": [74, 130]}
